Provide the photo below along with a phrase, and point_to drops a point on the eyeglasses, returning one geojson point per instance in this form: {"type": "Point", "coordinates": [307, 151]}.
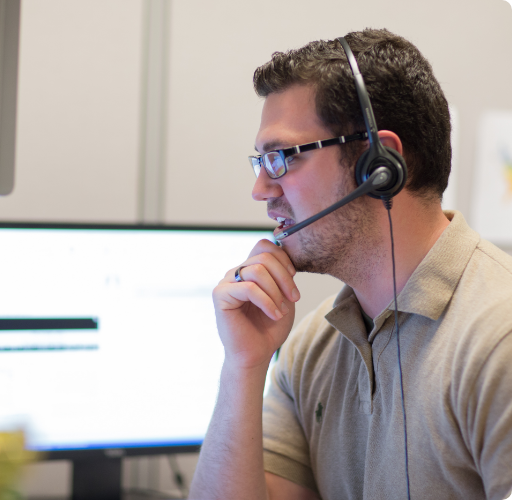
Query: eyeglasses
{"type": "Point", "coordinates": [276, 163]}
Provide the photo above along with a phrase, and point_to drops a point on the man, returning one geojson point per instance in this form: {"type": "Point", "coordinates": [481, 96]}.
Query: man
{"type": "Point", "coordinates": [333, 421]}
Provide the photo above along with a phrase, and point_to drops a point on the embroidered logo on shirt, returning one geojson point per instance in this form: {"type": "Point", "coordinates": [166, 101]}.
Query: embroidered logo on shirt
{"type": "Point", "coordinates": [318, 412]}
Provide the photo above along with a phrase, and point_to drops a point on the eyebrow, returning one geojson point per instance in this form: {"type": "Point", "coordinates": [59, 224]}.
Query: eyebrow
{"type": "Point", "coordinates": [274, 146]}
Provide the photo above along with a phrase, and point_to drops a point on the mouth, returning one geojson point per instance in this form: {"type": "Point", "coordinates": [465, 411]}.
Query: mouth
{"type": "Point", "coordinates": [283, 223]}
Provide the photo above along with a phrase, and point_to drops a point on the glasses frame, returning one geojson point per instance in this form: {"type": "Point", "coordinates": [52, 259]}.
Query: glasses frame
{"type": "Point", "coordinates": [259, 161]}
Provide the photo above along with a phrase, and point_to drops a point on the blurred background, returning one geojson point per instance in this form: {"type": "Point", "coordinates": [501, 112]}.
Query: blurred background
{"type": "Point", "coordinates": [143, 111]}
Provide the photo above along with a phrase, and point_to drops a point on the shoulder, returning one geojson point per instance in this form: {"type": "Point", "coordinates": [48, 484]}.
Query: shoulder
{"type": "Point", "coordinates": [483, 297]}
{"type": "Point", "coordinates": [477, 325]}
{"type": "Point", "coordinates": [494, 260]}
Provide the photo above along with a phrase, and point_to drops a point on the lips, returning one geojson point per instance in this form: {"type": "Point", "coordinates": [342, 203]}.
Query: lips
{"type": "Point", "coordinates": [279, 214]}
{"type": "Point", "coordinates": [284, 222]}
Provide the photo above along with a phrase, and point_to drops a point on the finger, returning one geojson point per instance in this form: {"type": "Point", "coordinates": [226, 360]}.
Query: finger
{"type": "Point", "coordinates": [231, 296]}
{"type": "Point", "coordinates": [260, 275]}
{"type": "Point", "coordinates": [266, 246]}
{"type": "Point", "coordinates": [275, 270]}
{"type": "Point", "coordinates": [278, 272]}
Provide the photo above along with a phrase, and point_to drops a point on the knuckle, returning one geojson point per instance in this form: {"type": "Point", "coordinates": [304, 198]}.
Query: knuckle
{"type": "Point", "coordinates": [224, 280]}
{"type": "Point", "coordinates": [259, 270]}
{"type": "Point", "coordinates": [264, 243]}
{"type": "Point", "coordinates": [251, 285]}
{"type": "Point", "coordinates": [229, 273]}
{"type": "Point", "coordinates": [266, 258]}
{"type": "Point", "coordinates": [262, 246]}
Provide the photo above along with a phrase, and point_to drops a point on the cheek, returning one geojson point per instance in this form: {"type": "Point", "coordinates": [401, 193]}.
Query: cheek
{"type": "Point", "coordinates": [311, 197]}
{"type": "Point", "coordinates": [322, 191]}
{"type": "Point", "coordinates": [317, 185]}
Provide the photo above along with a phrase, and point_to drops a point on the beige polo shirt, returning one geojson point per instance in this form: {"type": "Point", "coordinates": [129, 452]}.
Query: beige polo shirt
{"type": "Point", "coordinates": [333, 417]}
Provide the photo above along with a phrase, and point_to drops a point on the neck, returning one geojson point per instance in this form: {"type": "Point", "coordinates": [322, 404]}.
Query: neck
{"type": "Point", "coordinates": [416, 228]}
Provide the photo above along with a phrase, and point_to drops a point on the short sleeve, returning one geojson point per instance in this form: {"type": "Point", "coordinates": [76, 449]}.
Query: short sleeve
{"type": "Point", "coordinates": [490, 421]}
{"type": "Point", "coordinates": [285, 449]}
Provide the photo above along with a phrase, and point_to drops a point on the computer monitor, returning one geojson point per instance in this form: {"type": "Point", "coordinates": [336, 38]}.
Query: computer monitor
{"type": "Point", "coordinates": [108, 341]}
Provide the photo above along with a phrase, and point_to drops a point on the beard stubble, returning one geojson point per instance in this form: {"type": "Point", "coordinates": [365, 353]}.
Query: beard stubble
{"type": "Point", "coordinates": [343, 244]}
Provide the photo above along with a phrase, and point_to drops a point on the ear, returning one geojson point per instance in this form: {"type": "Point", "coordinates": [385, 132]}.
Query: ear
{"type": "Point", "coordinates": [391, 140]}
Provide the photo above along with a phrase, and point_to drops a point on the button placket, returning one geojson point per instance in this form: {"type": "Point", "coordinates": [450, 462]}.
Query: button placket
{"type": "Point", "coordinates": [380, 338]}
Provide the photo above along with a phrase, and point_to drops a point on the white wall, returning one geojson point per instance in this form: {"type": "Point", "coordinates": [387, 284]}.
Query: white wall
{"type": "Point", "coordinates": [80, 129]}
{"type": "Point", "coordinates": [78, 112]}
{"type": "Point", "coordinates": [215, 47]}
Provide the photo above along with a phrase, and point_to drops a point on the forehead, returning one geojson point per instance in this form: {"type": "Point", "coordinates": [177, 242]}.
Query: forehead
{"type": "Point", "coordinates": [289, 118]}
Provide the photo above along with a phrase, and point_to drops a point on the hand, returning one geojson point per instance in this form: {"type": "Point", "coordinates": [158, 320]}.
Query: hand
{"type": "Point", "coordinates": [254, 317]}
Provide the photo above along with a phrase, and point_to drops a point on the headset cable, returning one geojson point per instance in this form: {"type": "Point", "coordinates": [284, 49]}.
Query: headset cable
{"type": "Point", "coordinates": [388, 203]}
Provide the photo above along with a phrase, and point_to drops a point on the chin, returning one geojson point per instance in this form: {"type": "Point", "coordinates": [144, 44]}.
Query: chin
{"type": "Point", "coordinates": [308, 256]}
{"type": "Point", "coordinates": [305, 265]}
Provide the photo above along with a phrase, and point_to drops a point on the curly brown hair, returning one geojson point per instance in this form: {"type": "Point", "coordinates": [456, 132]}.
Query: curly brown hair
{"type": "Point", "coordinates": [406, 98]}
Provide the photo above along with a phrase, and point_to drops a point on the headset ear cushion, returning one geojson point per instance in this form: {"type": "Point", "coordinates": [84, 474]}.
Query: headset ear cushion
{"type": "Point", "coordinates": [362, 168]}
{"type": "Point", "coordinates": [367, 163]}
{"type": "Point", "coordinates": [399, 158]}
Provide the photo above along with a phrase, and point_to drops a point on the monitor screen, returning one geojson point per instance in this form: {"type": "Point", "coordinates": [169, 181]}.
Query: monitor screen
{"type": "Point", "coordinates": [107, 334]}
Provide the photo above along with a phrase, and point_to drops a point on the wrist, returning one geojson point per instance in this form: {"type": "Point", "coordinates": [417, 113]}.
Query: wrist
{"type": "Point", "coordinates": [233, 370]}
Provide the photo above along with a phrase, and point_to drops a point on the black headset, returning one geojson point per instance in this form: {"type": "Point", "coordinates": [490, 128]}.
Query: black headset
{"type": "Point", "coordinates": [378, 155]}
{"type": "Point", "coordinates": [380, 172]}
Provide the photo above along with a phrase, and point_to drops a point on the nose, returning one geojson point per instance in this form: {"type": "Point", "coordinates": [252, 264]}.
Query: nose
{"type": "Point", "coordinates": [265, 187]}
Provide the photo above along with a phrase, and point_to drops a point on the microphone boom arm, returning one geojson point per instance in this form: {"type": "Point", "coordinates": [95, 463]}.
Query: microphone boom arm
{"type": "Point", "coordinates": [376, 180]}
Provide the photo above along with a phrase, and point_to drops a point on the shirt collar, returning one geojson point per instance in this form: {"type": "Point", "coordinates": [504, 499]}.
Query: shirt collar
{"type": "Point", "coordinates": [432, 284]}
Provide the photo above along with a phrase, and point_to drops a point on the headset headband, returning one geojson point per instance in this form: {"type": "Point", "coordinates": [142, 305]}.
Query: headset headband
{"type": "Point", "coordinates": [376, 155]}
{"type": "Point", "coordinates": [364, 100]}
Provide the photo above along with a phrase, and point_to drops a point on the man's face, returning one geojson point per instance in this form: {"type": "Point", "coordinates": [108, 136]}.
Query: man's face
{"type": "Point", "coordinates": [314, 181]}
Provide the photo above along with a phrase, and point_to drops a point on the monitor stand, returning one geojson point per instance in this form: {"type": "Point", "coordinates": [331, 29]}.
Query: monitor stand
{"type": "Point", "coordinates": [98, 479]}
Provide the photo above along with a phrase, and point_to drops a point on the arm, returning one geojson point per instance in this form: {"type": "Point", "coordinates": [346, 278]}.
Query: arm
{"type": "Point", "coordinates": [281, 489]}
{"type": "Point", "coordinates": [254, 318]}
{"type": "Point", "coordinates": [231, 461]}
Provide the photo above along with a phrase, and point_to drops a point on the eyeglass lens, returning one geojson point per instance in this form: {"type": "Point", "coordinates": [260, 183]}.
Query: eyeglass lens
{"type": "Point", "coordinates": [274, 164]}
